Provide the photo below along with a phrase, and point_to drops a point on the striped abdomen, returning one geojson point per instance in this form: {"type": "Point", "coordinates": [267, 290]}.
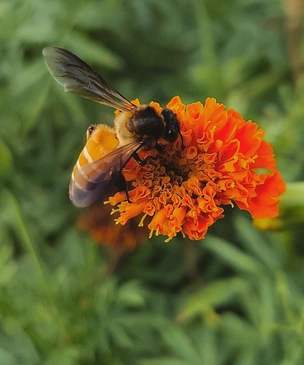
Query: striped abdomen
{"type": "Point", "coordinates": [82, 189]}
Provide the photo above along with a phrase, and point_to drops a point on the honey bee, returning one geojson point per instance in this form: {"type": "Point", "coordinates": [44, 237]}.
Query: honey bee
{"type": "Point", "coordinates": [136, 128]}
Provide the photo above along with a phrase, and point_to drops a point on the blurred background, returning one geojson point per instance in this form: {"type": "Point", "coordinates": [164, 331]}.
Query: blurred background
{"type": "Point", "coordinates": [234, 298]}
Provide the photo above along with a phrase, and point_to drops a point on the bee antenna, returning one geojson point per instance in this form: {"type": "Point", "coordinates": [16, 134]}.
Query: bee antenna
{"type": "Point", "coordinates": [180, 134]}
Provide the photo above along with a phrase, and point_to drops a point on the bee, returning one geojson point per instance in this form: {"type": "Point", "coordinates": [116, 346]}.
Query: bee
{"type": "Point", "coordinates": [136, 128]}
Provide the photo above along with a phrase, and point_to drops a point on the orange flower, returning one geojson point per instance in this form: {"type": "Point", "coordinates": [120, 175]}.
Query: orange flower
{"type": "Point", "coordinates": [215, 164]}
{"type": "Point", "coordinates": [97, 221]}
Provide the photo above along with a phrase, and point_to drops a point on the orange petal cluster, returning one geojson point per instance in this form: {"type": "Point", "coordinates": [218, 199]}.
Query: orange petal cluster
{"type": "Point", "coordinates": [217, 162]}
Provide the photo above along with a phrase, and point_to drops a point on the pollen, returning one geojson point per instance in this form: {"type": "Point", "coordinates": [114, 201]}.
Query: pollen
{"type": "Point", "coordinates": [184, 189]}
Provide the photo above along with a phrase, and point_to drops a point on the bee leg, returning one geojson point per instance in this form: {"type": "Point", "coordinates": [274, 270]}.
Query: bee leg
{"type": "Point", "coordinates": [127, 194]}
{"type": "Point", "coordinates": [138, 159]}
{"type": "Point", "coordinates": [183, 146]}
{"type": "Point", "coordinates": [159, 148]}
{"type": "Point", "coordinates": [122, 185]}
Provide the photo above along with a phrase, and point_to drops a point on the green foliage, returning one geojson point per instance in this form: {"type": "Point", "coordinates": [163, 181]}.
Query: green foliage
{"type": "Point", "coordinates": [237, 297]}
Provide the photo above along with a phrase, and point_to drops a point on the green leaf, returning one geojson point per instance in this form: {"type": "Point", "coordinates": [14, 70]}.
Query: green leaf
{"type": "Point", "coordinates": [232, 256]}
{"type": "Point", "coordinates": [261, 248]}
{"type": "Point", "coordinates": [214, 295]}
{"type": "Point", "coordinates": [163, 361]}
{"type": "Point", "coordinates": [180, 344]}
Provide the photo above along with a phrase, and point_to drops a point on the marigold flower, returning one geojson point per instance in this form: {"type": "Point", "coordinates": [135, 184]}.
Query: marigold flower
{"type": "Point", "coordinates": [216, 163]}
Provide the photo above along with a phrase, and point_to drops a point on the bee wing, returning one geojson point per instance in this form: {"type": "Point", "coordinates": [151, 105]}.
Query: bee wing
{"type": "Point", "coordinates": [78, 77]}
{"type": "Point", "coordinates": [93, 181]}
